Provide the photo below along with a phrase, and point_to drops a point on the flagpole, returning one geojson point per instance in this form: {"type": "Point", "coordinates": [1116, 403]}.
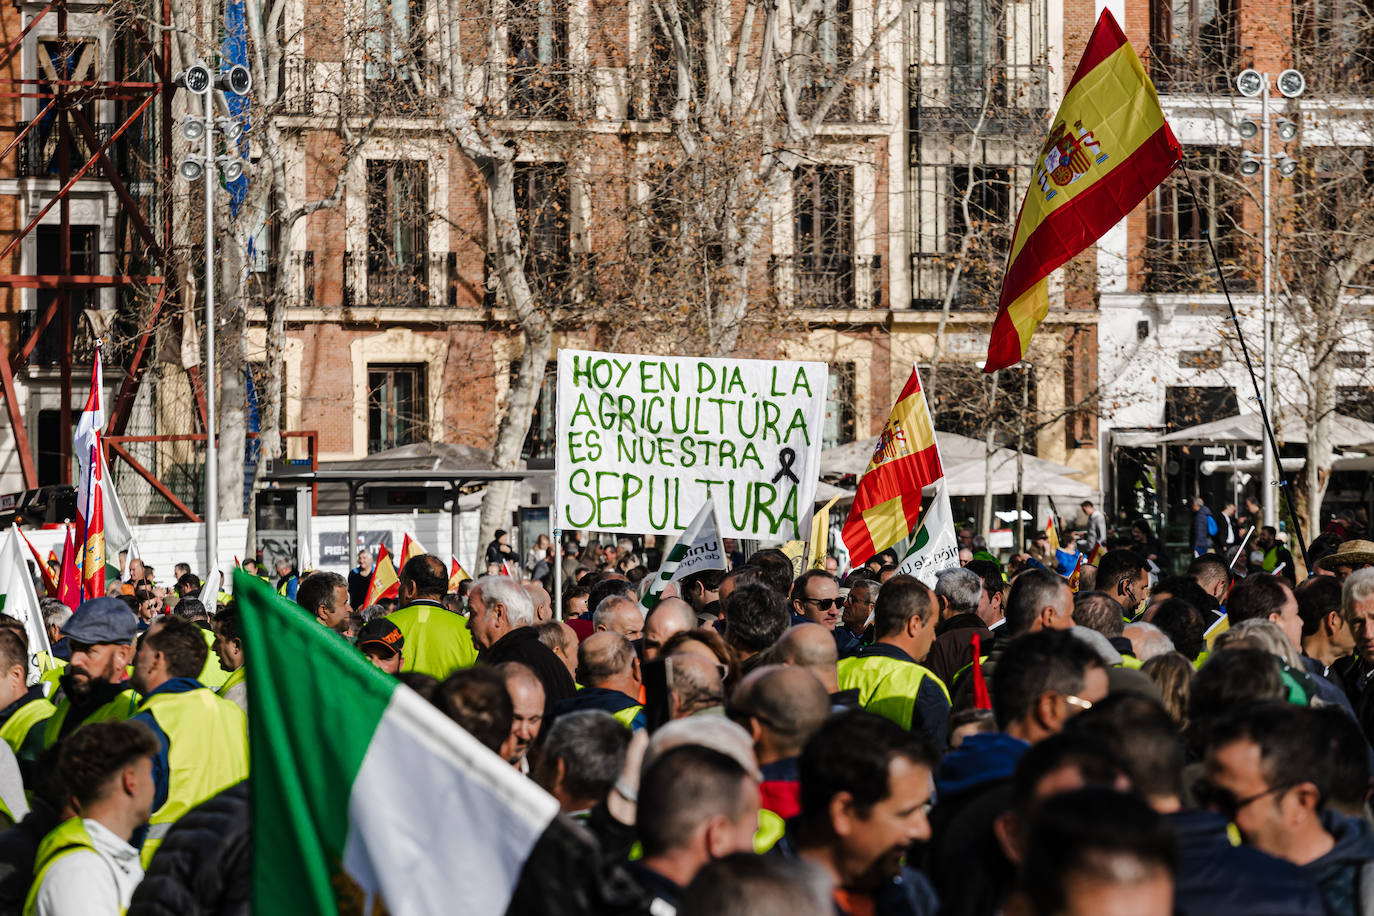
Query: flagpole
{"type": "Point", "coordinates": [211, 452]}
{"type": "Point", "coordinates": [1254, 379]}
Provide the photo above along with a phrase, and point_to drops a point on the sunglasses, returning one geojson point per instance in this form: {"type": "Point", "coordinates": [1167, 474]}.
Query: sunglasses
{"type": "Point", "coordinates": [1225, 803]}
{"type": "Point", "coordinates": [824, 604]}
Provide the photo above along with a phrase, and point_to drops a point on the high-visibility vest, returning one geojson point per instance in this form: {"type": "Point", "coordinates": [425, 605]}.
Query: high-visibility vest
{"type": "Point", "coordinates": [437, 641]}
{"type": "Point", "coordinates": [771, 829]}
{"type": "Point", "coordinates": [626, 716]}
{"type": "Point", "coordinates": [207, 753]}
{"type": "Point", "coordinates": [235, 677]}
{"type": "Point", "coordinates": [1130, 661]}
{"type": "Point", "coordinates": [68, 837]}
{"type": "Point", "coordinates": [887, 686]}
{"type": "Point", "coordinates": [116, 710]}
{"type": "Point", "coordinates": [211, 674]}
{"type": "Point", "coordinates": [52, 675]}
{"type": "Point", "coordinates": [17, 727]}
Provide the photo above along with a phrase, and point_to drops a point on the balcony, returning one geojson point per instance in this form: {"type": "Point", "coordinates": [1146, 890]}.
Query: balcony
{"type": "Point", "coordinates": [1201, 71]}
{"type": "Point", "coordinates": [835, 282]}
{"type": "Point", "coordinates": [1187, 267]}
{"type": "Point", "coordinates": [977, 288]}
{"type": "Point", "coordinates": [297, 86]}
{"type": "Point", "coordinates": [1009, 98]}
{"type": "Point", "coordinates": [38, 151]}
{"type": "Point", "coordinates": [423, 280]}
{"type": "Point", "coordinates": [539, 91]}
{"type": "Point", "coordinates": [400, 91]}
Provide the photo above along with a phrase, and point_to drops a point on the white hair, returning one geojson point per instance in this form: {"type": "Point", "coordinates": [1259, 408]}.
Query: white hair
{"type": "Point", "coordinates": [506, 592]}
{"type": "Point", "coordinates": [1358, 588]}
{"type": "Point", "coordinates": [1261, 634]}
{"type": "Point", "coordinates": [1147, 640]}
{"type": "Point", "coordinates": [601, 617]}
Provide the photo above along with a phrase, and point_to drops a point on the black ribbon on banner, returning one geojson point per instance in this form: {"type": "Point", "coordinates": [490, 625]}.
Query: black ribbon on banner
{"type": "Point", "coordinates": [785, 458]}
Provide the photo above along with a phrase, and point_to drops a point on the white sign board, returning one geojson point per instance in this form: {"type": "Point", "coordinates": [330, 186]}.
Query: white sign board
{"type": "Point", "coordinates": [644, 441]}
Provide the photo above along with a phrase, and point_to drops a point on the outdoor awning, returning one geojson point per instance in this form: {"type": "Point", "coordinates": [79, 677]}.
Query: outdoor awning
{"type": "Point", "coordinates": [853, 457]}
{"type": "Point", "coordinates": [1346, 432]}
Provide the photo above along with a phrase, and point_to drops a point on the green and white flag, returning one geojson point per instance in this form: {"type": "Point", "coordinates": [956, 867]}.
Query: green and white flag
{"type": "Point", "coordinates": [935, 546]}
{"type": "Point", "coordinates": [698, 548]}
{"type": "Point", "coordinates": [363, 793]}
{"type": "Point", "coordinates": [19, 597]}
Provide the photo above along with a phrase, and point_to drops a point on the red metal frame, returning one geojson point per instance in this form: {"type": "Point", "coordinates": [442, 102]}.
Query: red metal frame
{"type": "Point", "coordinates": [114, 447]}
{"type": "Point", "coordinates": [63, 101]}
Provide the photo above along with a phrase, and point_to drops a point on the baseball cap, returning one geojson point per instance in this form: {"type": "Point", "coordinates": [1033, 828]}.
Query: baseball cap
{"type": "Point", "coordinates": [102, 620]}
{"type": "Point", "coordinates": [383, 634]}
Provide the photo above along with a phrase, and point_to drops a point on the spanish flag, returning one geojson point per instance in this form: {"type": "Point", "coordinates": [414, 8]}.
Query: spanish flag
{"type": "Point", "coordinates": [457, 576]}
{"type": "Point", "coordinates": [384, 582]}
{"type": "Point", "coordinates": [410, 548]}
{"type": "Point", "coordinates": [1109, 146]}
{"type": "Point", "coordinates": [887, 507]}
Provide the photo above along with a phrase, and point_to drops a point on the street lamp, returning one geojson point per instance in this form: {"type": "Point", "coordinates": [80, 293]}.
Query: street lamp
{"type": "Point", "coordinates": [1252, 84]}
{"type": "Point", "coordinates": [199, 80]}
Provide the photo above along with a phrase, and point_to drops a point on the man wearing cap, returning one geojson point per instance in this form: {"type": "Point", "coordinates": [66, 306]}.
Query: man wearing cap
{"type": "Point", "coordinates": [439, 640]}
{"type": "Point", "coordinates": [382, 642]}
{"type": "Point", "coordinates": [101, 634]}
{"type": "Point", "coordinates": [202, 738]}
{"type": "Point", "coordinates": [1350, 557]}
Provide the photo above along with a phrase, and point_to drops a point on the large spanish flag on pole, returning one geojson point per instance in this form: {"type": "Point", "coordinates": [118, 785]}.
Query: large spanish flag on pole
{"type": "Point", "coordinates": [906, 459]}
{"type": "Point", "coordinates": [1109, 146]}
{"type": "Point", "coordinates": [90, 490]}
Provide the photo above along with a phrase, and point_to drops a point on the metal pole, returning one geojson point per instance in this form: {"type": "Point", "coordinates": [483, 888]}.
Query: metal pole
{"type": "Point", "coordinates": [456, 524]}
{"type": "Point", "coordinates": [1268, 499]}
{"type": "Point", "coordinates": [557, 574]}
{"type": "Point", "coordinates": [211, 452]}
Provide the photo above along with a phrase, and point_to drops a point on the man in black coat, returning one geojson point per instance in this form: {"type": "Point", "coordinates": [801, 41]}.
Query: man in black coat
{"type": "Point", "coordinates": [501, 619]}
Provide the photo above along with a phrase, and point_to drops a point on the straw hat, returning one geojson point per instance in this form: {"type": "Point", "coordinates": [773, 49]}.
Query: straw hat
{"type": "Point", "coordinates": [1350, 553]}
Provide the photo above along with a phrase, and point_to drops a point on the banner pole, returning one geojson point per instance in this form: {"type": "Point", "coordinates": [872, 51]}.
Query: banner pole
{"type": "Point", "coordinates": [1284, 483]}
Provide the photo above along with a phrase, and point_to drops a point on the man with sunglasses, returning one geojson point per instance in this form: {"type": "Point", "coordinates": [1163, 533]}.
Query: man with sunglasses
{"type": "Point", "coordinates": [816, 598]}
{"type": "Point", "coordinates": [889, 675]}
{"type": "Point", "coordinates": [1266, 773]}
{"type": "Point", "coordinates": [94, 685]}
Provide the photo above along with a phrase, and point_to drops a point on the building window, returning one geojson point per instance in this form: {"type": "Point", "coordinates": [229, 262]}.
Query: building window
{"type": "Point", "coordinates": [1192, 45]}
{"type": "Point", "coordinates": [539, 441]}
{"type": "Point", "coordinates": [1177, 258]}
{"type": "Point", "coordinates": [397, 232]}
{"type": "Point", "coordinates": [661, 61]}
{"type": "Point", "coordinates": [824, 219]}
{"type": "Point", "coordinates": [1190, 405]}
{"type": "Point", "coordinates": [542, 202]}
{"type": "Point", "coordinates": [1332, 45]}
{"type": "Point", "coordinates": [394, 56]}
{"type": "Point", "coordinates": [1355, 401]}
{"type": "Point", "coordinates": [832, 54]}
{"type": "Point", "coordinates": [397, 412]}
{"type": "Point", "coordinates": [839, 407]}
{"type": "Point", "coordinates": [1199, 359]}
{"type": "Point", "coordinates": [988, 189]}
{"type": "Point", "coordinates": [537, 63]}
{"type": "Point", "coordinates": [976, 48]}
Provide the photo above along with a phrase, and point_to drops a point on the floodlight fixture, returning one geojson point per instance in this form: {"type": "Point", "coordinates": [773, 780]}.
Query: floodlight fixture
{"type": "Point", "coordinates": [236, 79]}
{"type": "Point", "coordinates": [1287, 166]}
{"type": "Point", "coordinates": [1250, 83]}
{"type": "Point", "coordinates": [192, 168]}
{"type": "Point", "coordinates": [231, 128]}
{"type": "Point", "coordinates": [1291, 84]}
{"type": "Point", "coordinates": [1286, 129]}
{"type": "Point", "coordinates": [1247, 129]}
{"type": "Point", "coordinates": [195, 79]}
{"type": "Point", "coordinates": [193, 128]}
{"type": "Point", "coordinates": [230, 168]}
{"type": "Point", "coordinates": [1250, 164]}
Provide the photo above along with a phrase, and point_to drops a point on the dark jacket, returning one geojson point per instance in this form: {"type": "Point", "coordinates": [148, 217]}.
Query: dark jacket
{"type": "Point", "coordinates": [611, 701]}
{"type": "Point", "coordinates": [1339, 873]}
{"type": "Point", "coordinates": [952, 649]}
{"type": "Point", "coordinates": [18, 849]}
{"type": "Point", "coordinates": [357, 587]}
{"type": "Point", "coordinates": [204, 865]}
{"type": "Point", "coordinates": [522, 645]}
{"type": "Point", "coordinates": [1202, 541]}
{"type": "Point", "coordinates": [1355, 676]}
{"type": "Point", "coordinates": [1217, 879]}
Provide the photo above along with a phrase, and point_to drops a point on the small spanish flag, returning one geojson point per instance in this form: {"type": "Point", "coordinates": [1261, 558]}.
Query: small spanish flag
{"type": "Point", "coordinates": [457, 575]}
{"type": "Point", "coordinates": [887, 507]}
{"type": "Point", "coordinates": [410, 548]}
{"type": "Point", "coordinates": [1052, 533]}
{"type": "Point", "coordinates": [384, 582]}
{"type": "Point", "coordinates": [1109, 146]}
{"type": "Point", "coordinates": [1096, 554]}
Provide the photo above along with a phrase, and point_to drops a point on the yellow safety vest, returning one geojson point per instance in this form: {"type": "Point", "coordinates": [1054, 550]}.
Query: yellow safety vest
{"type": "Point", "coordinates": [1130, 661]}
{"type": "Point", "coordinates": [212, 675]}
{"type": "Point", "coordinates": [68, 837]}
{"type": "Point", "coordinates": [238, 676]}
{"type": "Point", "coordinates": [887, 686]}
{"type": "Point", "coordinates": [16, 729]}
{"type": "Point", "coordinates": [116, 710]}
{"type": "Point", "coordinates": [626, 716]}
{"type": "Point", "coordinates": [207, 753]}
{"type": "Point", "coordinates": [771, 829]}
{"type": "Point", "coordinates": [437, 641]}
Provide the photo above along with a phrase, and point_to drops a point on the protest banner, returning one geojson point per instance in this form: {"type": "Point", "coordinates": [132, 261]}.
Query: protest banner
{"type": "Point", "coordinates": [935, 547]}
{"type": "Point", "coordinates": [644, 441]}
{"type": "Point", "coordinates": [699, 548]}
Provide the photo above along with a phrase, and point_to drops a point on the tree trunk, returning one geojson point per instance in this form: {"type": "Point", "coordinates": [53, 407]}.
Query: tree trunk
{"type": "Point", "coordinates": [990, 448]}
{"type": "Point", "coordinates": [232, 406]}
{"type": "Point", "coordinates": [1321, 409]}
{"type": "Point", "coordinates": [536, 328]}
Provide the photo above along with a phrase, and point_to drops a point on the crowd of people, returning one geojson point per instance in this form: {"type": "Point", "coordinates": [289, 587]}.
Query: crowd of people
{"type": "Point", "coordinates": [760, 741]}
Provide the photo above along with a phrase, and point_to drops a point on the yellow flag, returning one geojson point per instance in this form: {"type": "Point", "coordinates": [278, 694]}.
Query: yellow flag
{"type": "Point", "coordinates": [796, 552]}
{"type": "Point", "coordinates": [819, 545]}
